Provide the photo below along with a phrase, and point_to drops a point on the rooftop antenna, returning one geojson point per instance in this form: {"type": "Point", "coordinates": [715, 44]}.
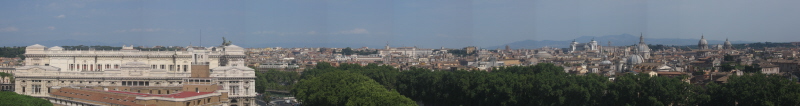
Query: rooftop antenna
{"type": "Point", "coordinates": [201, 37]}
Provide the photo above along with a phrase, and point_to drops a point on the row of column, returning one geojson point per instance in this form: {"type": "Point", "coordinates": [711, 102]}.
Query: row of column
{"type": "Point", "coordinates": [91, 67]}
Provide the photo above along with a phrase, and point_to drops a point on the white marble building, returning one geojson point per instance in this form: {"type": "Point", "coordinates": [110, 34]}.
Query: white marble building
{"type": "Point", "coordinates": [56, 67]}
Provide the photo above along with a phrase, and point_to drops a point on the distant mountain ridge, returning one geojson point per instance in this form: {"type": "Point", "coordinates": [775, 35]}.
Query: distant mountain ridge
{"type": "Point", "coordinates": [616, 40]}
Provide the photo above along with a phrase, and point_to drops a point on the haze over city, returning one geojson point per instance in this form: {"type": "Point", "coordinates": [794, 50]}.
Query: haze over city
{"type": "Point", "coordinates": [429, 24]}
{"type": "Point", "coordinates": [399, 53]}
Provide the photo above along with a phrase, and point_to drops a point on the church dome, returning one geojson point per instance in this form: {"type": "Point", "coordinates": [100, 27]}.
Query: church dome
{"type": "Point", "coordinates": [635, 59]}
{"type": "Point", "coordinates": [727, 44]}
{"type": "Point", "coordinates": [703, 41]}
{"type": "Point", "coordinates": [55, 48]}
{"type": "Point", "coordinates": [543, 54]}
{"type": "Point", "coordinates": [643, 48]}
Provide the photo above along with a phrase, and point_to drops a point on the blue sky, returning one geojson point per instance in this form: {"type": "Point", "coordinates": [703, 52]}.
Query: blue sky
{"type": "Point", "coordinates": [424, 23]}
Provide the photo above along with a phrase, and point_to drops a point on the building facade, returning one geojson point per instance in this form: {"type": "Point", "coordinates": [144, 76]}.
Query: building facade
{"type": "Point", "coordinates": [131, 70]}
{"type": "Point", "coordinates": [590, 46]}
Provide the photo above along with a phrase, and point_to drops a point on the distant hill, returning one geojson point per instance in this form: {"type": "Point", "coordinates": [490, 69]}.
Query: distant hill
{"type": "Point", "coordinates": [616, 40]}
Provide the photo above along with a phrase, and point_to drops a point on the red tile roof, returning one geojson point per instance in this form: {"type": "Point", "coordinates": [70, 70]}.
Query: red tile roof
{"type": "Point", "coordinates": [175, 95]}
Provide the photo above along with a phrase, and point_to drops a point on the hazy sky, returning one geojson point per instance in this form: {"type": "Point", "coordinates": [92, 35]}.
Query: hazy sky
{"type": "Point", "coordinates": [426, 23]}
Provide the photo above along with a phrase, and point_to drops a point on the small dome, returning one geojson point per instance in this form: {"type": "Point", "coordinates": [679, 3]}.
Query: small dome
{"type": "Point", "coordinates": [605, 62]}
{"type": "Point", "coordinates": [543, 54]}
{"type": "Point", "coordinates": [702, 41]}
{"type": "Point", "coordinates": [55, 48]}
{"type": "Point", "coordinates": [635, 59]}
{"type": "Point", "coordinates": [728, 44]}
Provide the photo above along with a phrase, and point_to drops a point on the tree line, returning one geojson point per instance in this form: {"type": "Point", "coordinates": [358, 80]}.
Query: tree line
{"type": "Point", "coordinates": [11, 52]}
{"type": "Point", "coordinates": [350, 51]}
{"type": "Point", "coordinates": [349, 85]}
{"type": "Point", "coordinates": [274, 80]}
{"type": "Point", "coordinates": [545, 84]}
{"type": "Point", "coordinates": [13, 99]}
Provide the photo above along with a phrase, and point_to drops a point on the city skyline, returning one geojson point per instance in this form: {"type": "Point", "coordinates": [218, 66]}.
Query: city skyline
{"type": "Point", "coordinates": [429, 24]}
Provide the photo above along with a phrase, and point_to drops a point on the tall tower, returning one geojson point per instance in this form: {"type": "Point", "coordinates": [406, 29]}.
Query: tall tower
{"type": "Point", "coordinates": [387, 45]}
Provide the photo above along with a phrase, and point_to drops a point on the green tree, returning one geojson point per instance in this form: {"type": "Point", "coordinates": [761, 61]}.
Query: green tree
{"type": "Point", "coordinates": [755, 89]}
{"type": "Point", "coordinates": [14, 99]}
{"type": "Point", "coordinates": [347, 51]}
{"type": "Point", "coordinates": [642, 89]}
{"type": "Point", "coordinates": [338, 87]}
{"type": "Point", "coordinates": [276, 80]}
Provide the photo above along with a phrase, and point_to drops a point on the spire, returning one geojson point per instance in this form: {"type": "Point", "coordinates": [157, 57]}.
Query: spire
{"type": "Point", "coordinates": [641, 38]}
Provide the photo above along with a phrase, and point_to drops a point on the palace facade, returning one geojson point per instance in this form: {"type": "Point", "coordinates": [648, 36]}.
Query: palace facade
{"type": "Point", "coordinates": [195, 76]}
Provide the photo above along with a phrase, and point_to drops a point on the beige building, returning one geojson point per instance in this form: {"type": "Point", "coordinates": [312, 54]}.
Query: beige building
{"type": "Point", "coordinates": [134, 71]}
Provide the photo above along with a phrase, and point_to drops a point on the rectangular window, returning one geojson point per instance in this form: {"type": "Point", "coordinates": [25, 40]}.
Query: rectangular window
{"type": "Point", "coordinates": [84, 67]}
{"type": "Point", "coordinates": [108, 66]}
{"type": "Point", "coordinates": [234, 90]}
{"type": "Point", "coordinates": [37, 88]}
{"type": "Point", "coordinates": [162, 67]}
{"type": "Point", "coordinates": [154, 66]}
{"type": "Point", "coordinates": [71, 66]}
{"type": "Point", "coordinates": [179, 68]}
{"type": "Point", "coordinates": [116, 66]}
{"type": "Point", "coordinates": [172, 67]}
{"type": "Point", "coordinates": [185, 68]}
{"type": "Point", "coordinates": [99, 67]}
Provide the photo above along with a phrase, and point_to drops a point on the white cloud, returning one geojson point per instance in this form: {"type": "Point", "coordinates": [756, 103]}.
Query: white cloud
{"type": "Point", "coordinates": [51, 28]}
{"type": "Point", "coordinates": [311, 32]}
{"type": "Point", "coordinates": [9, 29]}
{"type": "Point", "coordinates": [355, 31]}
{"type": "Point", "coordinates": [61, 16]}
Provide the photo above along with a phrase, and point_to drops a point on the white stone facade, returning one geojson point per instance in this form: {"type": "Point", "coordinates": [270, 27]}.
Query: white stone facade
{"type": "Point", "coordinates": [54, 67]}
